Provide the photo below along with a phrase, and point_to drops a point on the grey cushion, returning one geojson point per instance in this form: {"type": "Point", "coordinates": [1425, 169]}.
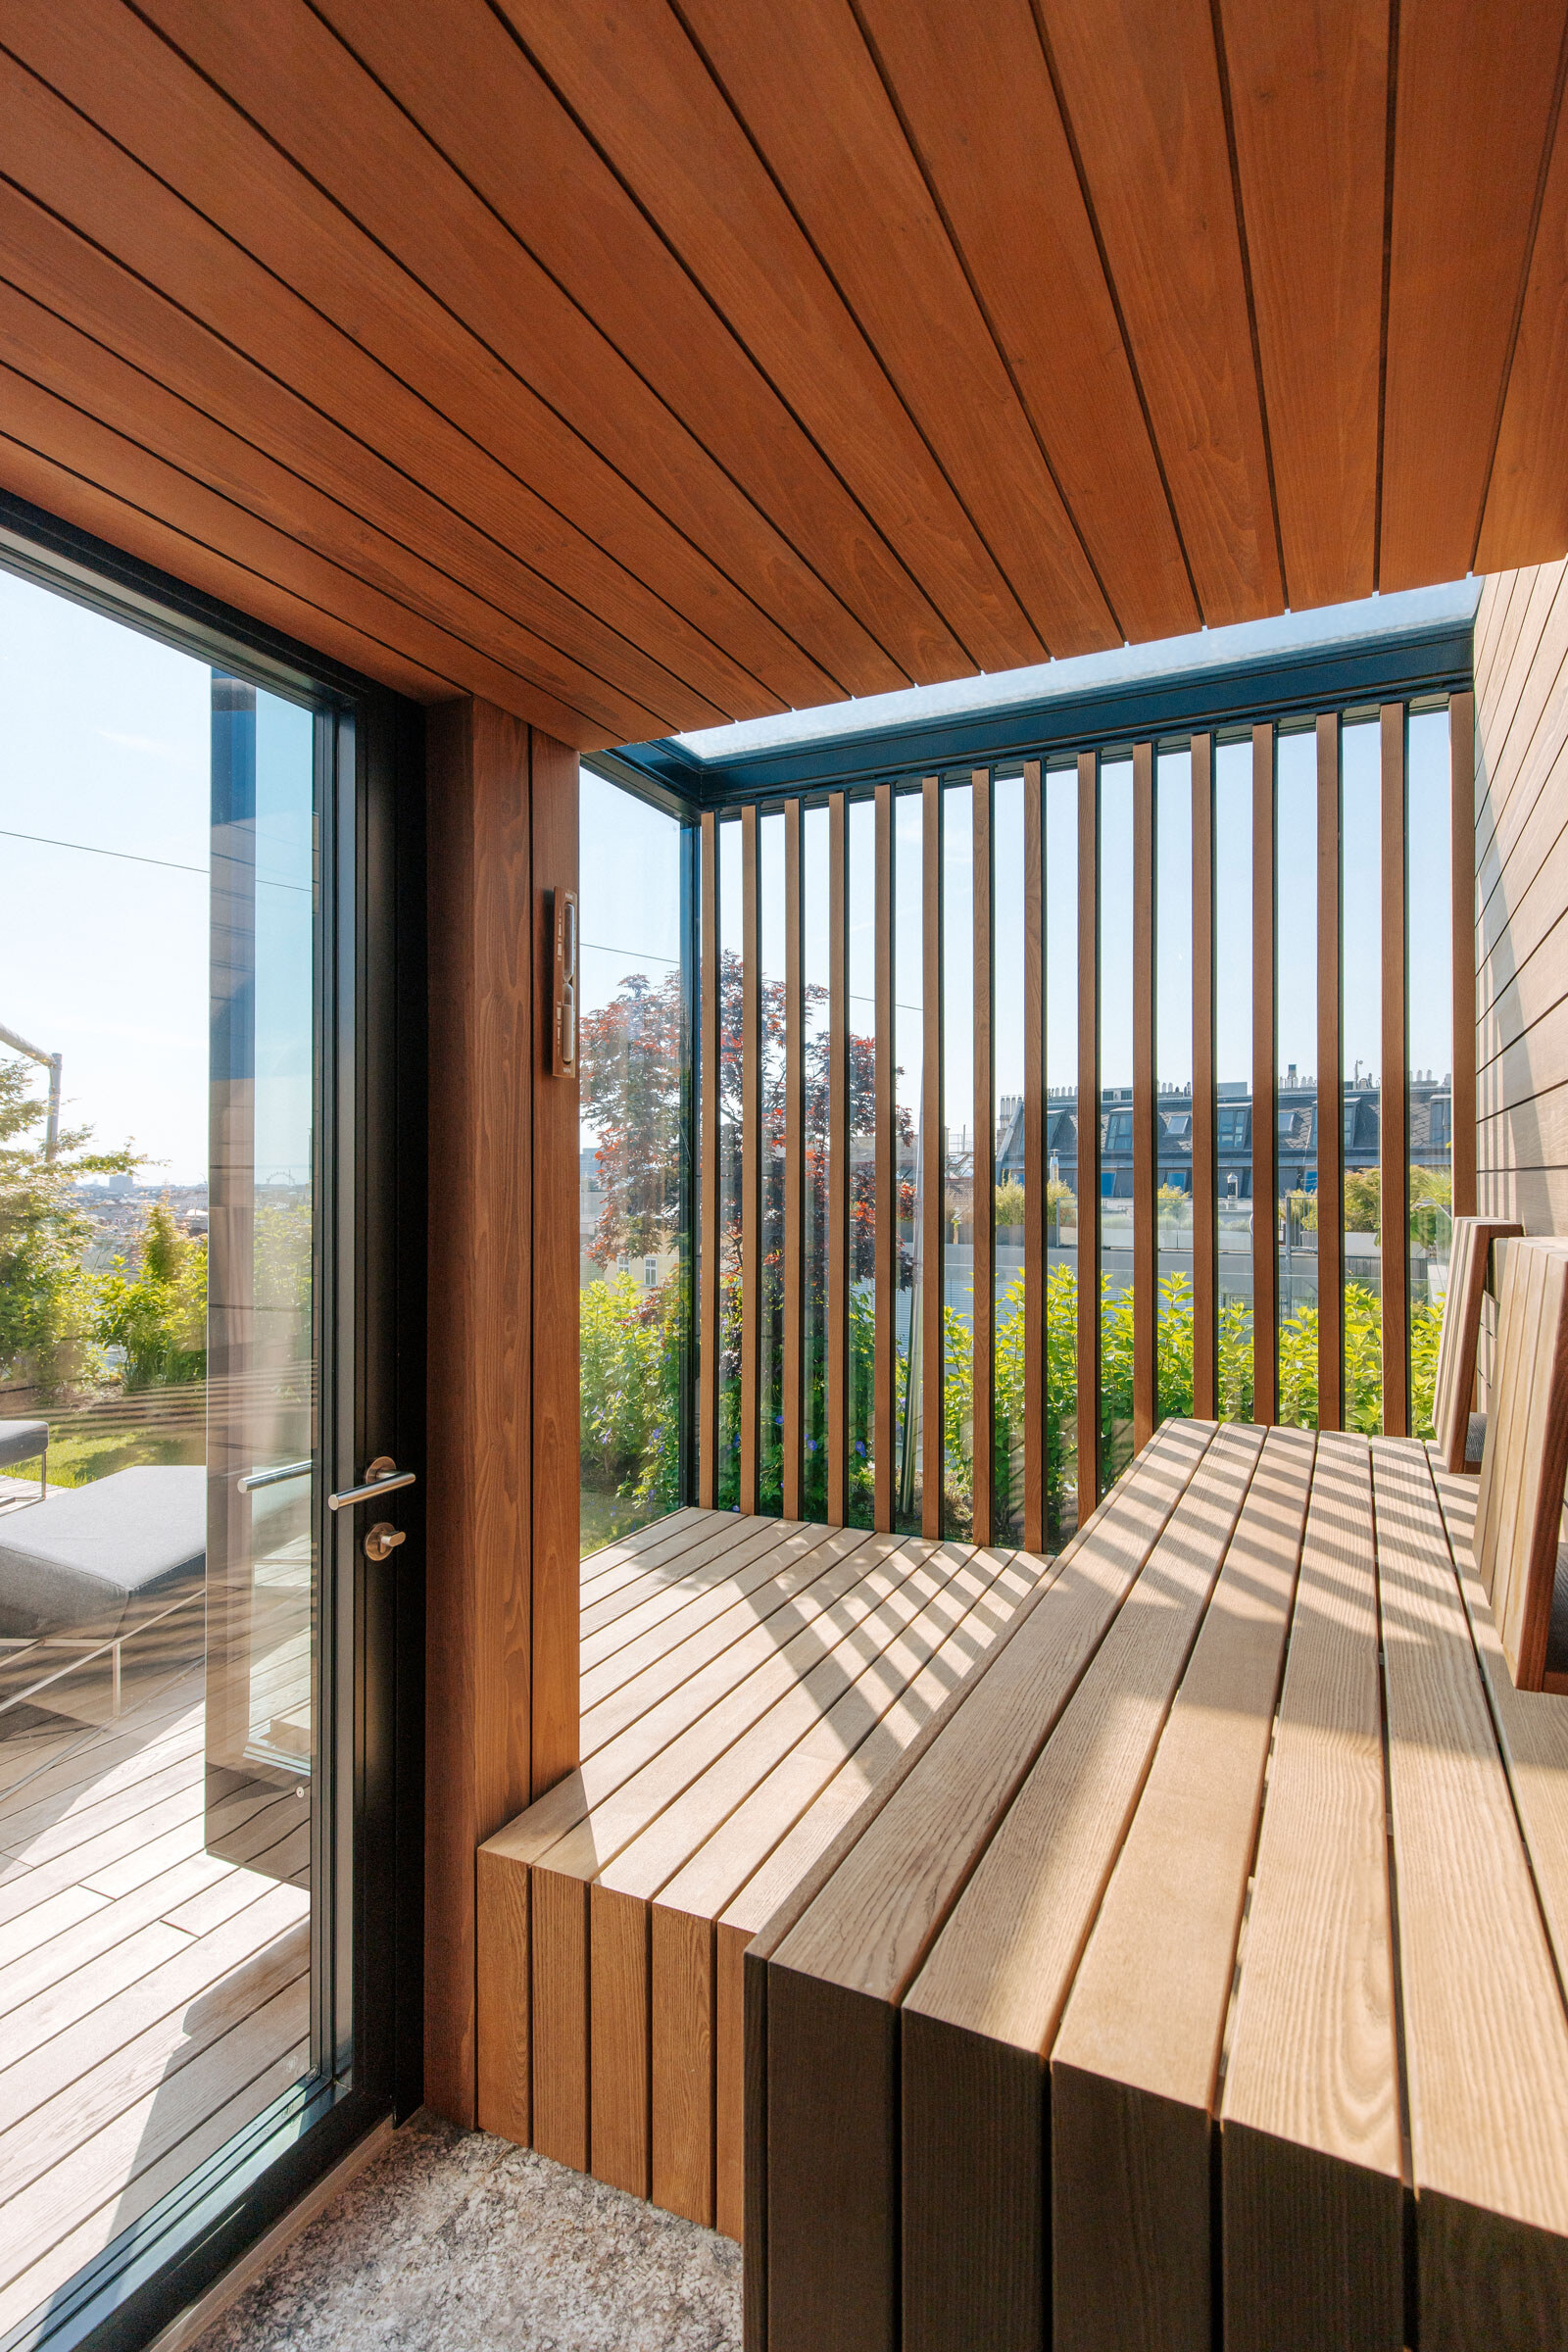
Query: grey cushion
{"type": "Point", "coordinates": [23, 1441]}
{"type": "Point", "coordinates": [98, 1559]}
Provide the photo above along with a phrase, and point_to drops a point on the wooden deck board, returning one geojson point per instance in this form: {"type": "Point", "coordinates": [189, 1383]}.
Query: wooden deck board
{"type": "Point", "coordinates": [734, 1672]}
{"type": "Point", "coordinates": [153, 1997]}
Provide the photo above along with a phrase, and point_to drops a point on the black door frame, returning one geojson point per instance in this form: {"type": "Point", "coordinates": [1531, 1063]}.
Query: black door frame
{"type": "Point", "coordinates": [373, 1009]}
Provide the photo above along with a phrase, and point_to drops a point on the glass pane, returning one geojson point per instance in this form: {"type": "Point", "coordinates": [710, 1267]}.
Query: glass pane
{"type": "Point", "coordinates": [1117, 1303]}
{"type": "Point", "coordinates": [631, 1268]}
{"type": "Point", "coordinates": [770, 1306]}
{"type": "Point", "coordinates": [1233, 1072]}
{"type": "Point", "coordinates": [1062, 1154]}
{"type": "Point", "coordinates": [815, 980]}
{"type": "Point", "coordinates": [1428, 889]}
{"type": "Point", "coordinates": [1362, 997]}
{"type": "Point", "coordinates": [1295, 1061]}
{"type": "Point", "coordinates": [862, 904]}
{"type": "Point", "coordinates": [909, 997]}
{"type": "Point", "coordinates": [958, 1158]}
{"type": "Point", "coordinates": [1007, 1172]}
{"type": "Point", "coordinates": [1173, 1066]}
{"type": "Point", "coordinates": [160, 1732]}
{"type": "Point", "coordinates": [731, 1043]}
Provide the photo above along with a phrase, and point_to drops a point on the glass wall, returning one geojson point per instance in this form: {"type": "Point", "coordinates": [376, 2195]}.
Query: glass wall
{"type": "Point", "coordinates": [958, 1158]}
{"type": "Point", "coordinates": [161, 1642]}
{"type": "Point", "coordinates": [1117, 1303]}
{"type": "Point", "coordinates": [1362, 1047]}
{"type": "Point", "coordinates": [633, 1056]}
{"type": "Point", "coordinates": [1005, 1173]}
{"type": "Point", "coordinates": [1173, 1073]}
{"type": "Point", "coordinates": [908, 1001]}
{"type": "Point", "coordinates": [1296, 1094]}
{"type": "Point", "coordinates": [1233, 1073]}
{"type": "Point", "coordinates": [814, 1286]}
{"type": "Point", "coordinates": [771, 1331]}
{"type": "Point", "coordinates": [1430, 1047]}
{"type": "Point", "coordinates": [1062, 1114]}
{"type": "Point", "coordinates": [861, 881]}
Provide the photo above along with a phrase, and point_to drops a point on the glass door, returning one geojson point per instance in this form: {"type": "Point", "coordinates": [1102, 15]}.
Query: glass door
{"type": "Point", "coordinates": [184, 1704]}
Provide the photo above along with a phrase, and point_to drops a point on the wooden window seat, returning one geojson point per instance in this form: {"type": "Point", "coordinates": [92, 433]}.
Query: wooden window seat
{"type": "Point", "coordinates": [746, 1683]}
{"type": "Point", "coordinates": [1196, 1977]}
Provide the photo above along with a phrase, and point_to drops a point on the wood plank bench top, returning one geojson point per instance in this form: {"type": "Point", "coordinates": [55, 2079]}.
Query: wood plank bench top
{"type": "Point", "coordinates": [1197, 1976]}
{"type": "Point", "coordinates": [746, 1684]}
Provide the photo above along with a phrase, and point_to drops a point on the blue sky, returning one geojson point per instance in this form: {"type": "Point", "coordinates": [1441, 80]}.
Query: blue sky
{"type": "Point", "coordinates": [105, 805]}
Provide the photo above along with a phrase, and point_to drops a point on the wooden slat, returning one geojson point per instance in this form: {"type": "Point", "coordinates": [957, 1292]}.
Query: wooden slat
{"type": "Point", "coordinates": [1034, 1157]}
{"type": "Point", "coordinates": [1519, 1503]}
{"type": "Point", "coordinates": [1462, 844]}
{"type": "Point", "coordinates": [709, 1273]}
{"type": "Point", "coordinates": [837, 1376]}
{"type": "Point", "coordinates": [1330, 1083]}
{"type": "Point", "coordinates": [317, 269]}
{"type": "Point", "coordinates": [1462, 214]}
{"type": "Point", "coordinates": [1146, 1214]}
{"type": "Point", "coordinates": [834, 1976]}
{"type": "Point", "coordinates": [1088, 1432]}
{"type": "Point", "coordinates": [1312, 180]}
{"type": "Point", "coordinates": [504, 2101]}
{"type": "Point", "coordinates": [1313, 2201]}
{"type": "Point", "coordinates": [1454, 1387]}
{"type": "Point", "coordinates": [886, 1275]}
{"type": "Point", "coordinates": [1488, 2080]}
{"type": "Point", "coordinates": [933, 1160]}
{"type": "Point", "coordinates": [794, 1149]}
{"type": "Point", "coordinates": [751, 1161]}
{"type": "Point", "coordinates": [982, 2014]}
{"type": "Point", "coordinates": [1135, 2067]}
{"type": "Point", "coordinates": [1206, 1160]}
{"type": "Point", "coordinates": [1143, 97]}
{"type": "Point", "coordinates": [1524, 520]}
{"type": "Point", "coordinates": [985, 1129]}
{"type": "Point", "coordinates": [1394, 1090]}
{"type": "Point", "coordinates": [1265, 1135]}
{"type": "Point", "coordinates": [807, 89]}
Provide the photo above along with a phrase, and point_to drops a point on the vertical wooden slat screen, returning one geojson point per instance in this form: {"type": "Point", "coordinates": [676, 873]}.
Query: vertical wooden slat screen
{"type": "Point", "coordinates": [933, 1172]}
{"type": "Point", "coordinates": [836, 1383]}
{"type": "Point", "coordinates": [1035, 1229]}
{"type": "Point", "coordinates": [1265, 1131]}
{"type": "Point", "coordinates": [1330, 1085]}
{"type": "Point", "coordinates": [1088, 1133]}
{"type": "Point", "coordinates": [1392, 1120]}
{"type": "Point", "coordinates": [1205, 1161]}
{"type": "Point", "coordinates": [794, 1141]}
{"type": "Point", "coordinates": [751, 1160]}
{"type": "Point", "coordinates": [1146, 1221]}
{"type": "Point", "coordinates": [985, 1200]}
{"type": "Point", "coordinates": [887, 1169]}
{"type": "Point", "coordinates": [1462, 830]}
{"type": "Point", "coordinates": [708, 1311]}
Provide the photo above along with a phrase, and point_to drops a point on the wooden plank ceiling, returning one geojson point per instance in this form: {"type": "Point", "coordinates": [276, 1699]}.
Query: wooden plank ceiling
{"type": "Point", "coordinates": [639, 367]}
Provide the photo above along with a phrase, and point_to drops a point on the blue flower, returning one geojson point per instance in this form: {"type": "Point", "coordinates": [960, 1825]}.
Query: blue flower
{"type": "Point", "coordinates": [859, 1445]}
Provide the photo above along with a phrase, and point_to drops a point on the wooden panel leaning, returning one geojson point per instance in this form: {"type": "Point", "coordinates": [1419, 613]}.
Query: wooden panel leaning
{"type": "Point", "coordinates": [1518, 1533]}
{"type": "Point", "coordinates": [1459, 1431]}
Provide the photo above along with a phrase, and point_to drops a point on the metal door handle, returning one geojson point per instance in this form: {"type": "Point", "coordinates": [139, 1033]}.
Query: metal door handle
{"type": "Point", "coordinates": [383, 1477]}
{"type": "Point", "coordinates": [382, 1540]}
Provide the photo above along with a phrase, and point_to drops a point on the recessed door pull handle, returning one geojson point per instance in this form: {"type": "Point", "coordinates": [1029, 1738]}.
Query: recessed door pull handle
{"type": "Point", "coordinates": [383, 1477]}
{"type": "Point", "coordinates": [382, 1540]}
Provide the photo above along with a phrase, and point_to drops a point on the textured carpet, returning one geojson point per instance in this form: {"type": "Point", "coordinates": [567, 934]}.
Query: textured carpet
{"type": "Point", "coordinates": [451, 2241]}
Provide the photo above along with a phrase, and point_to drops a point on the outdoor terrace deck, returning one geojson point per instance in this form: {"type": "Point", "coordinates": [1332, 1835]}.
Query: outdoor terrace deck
{"type": "Point", "coordinates": [745, 1682]}
{"type": "Point", "coordinates": [153, 1997]}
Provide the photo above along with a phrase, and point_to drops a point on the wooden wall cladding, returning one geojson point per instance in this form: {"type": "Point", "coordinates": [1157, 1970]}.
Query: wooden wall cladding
{"type": "Point", "coordinates": [502, 1715]}
{"type": "Point", "coordinates": [1521, 900]}
{"type": "Point", "coordinates": [638, 370]}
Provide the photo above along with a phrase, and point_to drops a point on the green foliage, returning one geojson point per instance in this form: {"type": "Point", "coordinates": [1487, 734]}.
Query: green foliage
{"type": "Point", "coordinates": [159, 1314]}
{"type": "Point", "coordinates": [46, 1298]}
{"type": "Point", "coordinates": [1009, 1203]}
{"type": "Point", "coordinates": [630, 1340]}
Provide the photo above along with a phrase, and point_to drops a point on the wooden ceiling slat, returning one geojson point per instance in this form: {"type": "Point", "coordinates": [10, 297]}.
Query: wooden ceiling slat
{"type": "Point", "coordinates": [327, 271]}
{"type": "Point", "coordinates": [630, 71]}
{"type": "Point", "coordinates": [57, 268]}
{"type": "Point", "coordinates": [279, 63]}
{"type": "Point", "coordinates": [1472, 113]}
{"type": "Point", "coordinates": [1141, 89]}
{"type": "Point", "coordinates": [804, 84]}
{"type": "Point", "coordinates": [1310, 104]}
{"type": "Point", "coordinates": [204, 517]}
{"type": "Point", "coordinates": [1526, 516]}
{"type": "Point", "coordinates": [64, 363]}
{"type": "Point", "coordinates": [465, 81]}
{"type": "Point", "coordinates": [1004, 178]}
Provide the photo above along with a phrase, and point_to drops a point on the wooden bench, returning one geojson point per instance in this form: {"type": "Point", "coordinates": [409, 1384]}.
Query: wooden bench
{"type": "Point", "coordinates": [1195, 1976]}
{"type": "Point", "coordinates": [746, 1683]}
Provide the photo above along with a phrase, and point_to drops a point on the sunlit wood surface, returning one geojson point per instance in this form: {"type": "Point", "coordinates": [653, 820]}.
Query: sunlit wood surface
{"type": "Point", "coordinates": [153, 1998]}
